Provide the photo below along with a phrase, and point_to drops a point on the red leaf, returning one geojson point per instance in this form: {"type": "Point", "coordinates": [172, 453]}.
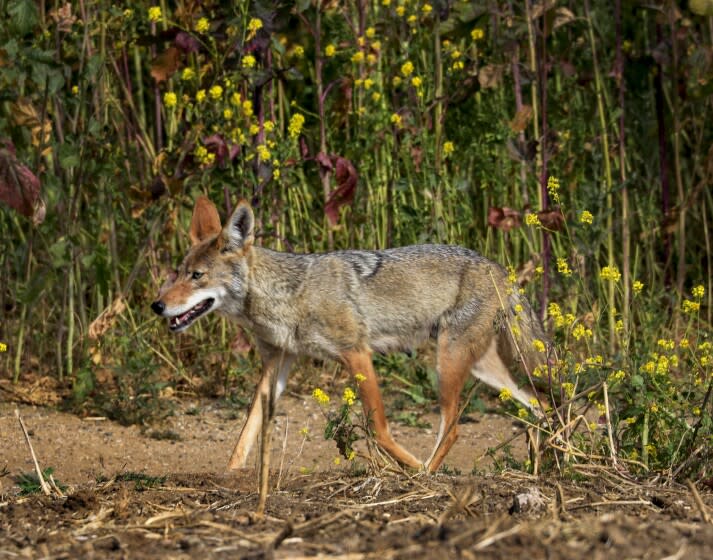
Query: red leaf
{"type": "Point", "coordinates": [19, 187]}
{"type": "Point", "coordinates": [165, 65]}
{"type": "Point", "coordinates": [240, 345]}
{"type": "Point", "coordinates": [503, 218]}
{"type": "Point", "coordinates": [347, 177]}
{"type": "Point", "coordinates": [552, 219]}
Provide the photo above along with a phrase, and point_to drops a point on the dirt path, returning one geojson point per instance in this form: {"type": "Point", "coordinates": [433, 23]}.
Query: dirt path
{"type": "Point", "coordinates": [200, 436]}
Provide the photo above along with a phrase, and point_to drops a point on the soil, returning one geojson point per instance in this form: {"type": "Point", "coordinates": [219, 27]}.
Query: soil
{"type": "Point", "coordinates": [163, 492]}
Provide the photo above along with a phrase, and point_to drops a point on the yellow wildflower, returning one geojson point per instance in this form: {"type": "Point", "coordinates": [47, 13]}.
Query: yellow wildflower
{"type": "Point", "coordinates": [3, 347]}
{"type": "Point", "coordinates": [75, 90]}
{"type": "Point", "coordinates": [299, 51]}
{"type": "Point", "coordinates": [416, 82]}
{"type": "Point", "coordinates": [532, 220]}
{"type": "Point", "coordinates": [263, 154]}
{"type": "Point", "coordinates": [330, 50]}
{"type": "Point", "coordinates": [337, 460]}
{"type": "Point", "coordinates": [304, 432]}
{"type": "Point", "coordinates": [320, 396]}
{"type": "Point", "coordinates": [610, 273]}
{"type": "Point", "coordinates": [375, 96]}
{"type": "Point", "coordinates": [349, 396]}
{"type": "Point", "coordinates": [215, 92]}
{"type": "Point", "coordinates": [699, 291]}
{"type": "Point", "coordinates": [295, 127]}
{"type": "Point", "coordinates": [200, 96]}
{"type": "Point", "coordinates": [448, 148]}
{"type": "Point", "coordinates": [522, 413]}
{"type": "Point", "coordinates": [477, 34]}
{"type": "Point", "coordinates": [407, 68]}
{"type": "Point", "coordinates": [538, 345]}
{"type": "Point", "coordinates": [247, 108]}
{"type": "Point", "coordinates": [254, 129]}
{"type": "Point", "coordinates": [249, 61]}
{"type": "Point", "coordinates": [358, 57]}
{"type": "Point", "coordinates": [586, 217]}
{"type": "Point", "coordinates": [400, 11]}
{"type": "Point", "coordinates": [370, 32]}
{"type": "Point", "coordinates": [691, 307]}
{"type": "Point", "coordinates": [202, 25]}
{"type": "Point", "coordinates": [227, 114]}
{"type": "Point", "coordinates": [360, 377]}
{"type": "Point", "coordinates": [637, 286]}
{"type": "Point", "coordinates": [426, 9]}
{"type": "Point", "coordinates": [563, 267]}
{"type": "Point", "coordinates": [154, 13]}
{"type": "Point", "coordinates": [254, 25]}
{"type": "Point", "coordinates": [505, 394]}
{"type": "Point", "coordinates": [269, 126]}
{"type": "Point", "coordinates": [188, 74]}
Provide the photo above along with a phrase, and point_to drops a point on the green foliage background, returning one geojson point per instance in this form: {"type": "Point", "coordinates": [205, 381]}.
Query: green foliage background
{"type": "Point", "coordinates": [406, 122]}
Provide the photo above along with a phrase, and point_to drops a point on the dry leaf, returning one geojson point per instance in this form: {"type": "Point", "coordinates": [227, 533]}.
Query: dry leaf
{"type": "Point", "coordinates": [522, 119]}
{"type": "Point", "coordinates": [106, 318]}
{"type": "Point", "coordinates": [490, 76]}
{"type": "Point", "coordinates": [346, 176]}
{"type": "Point", "coordinates": [19, 187]}
{"type": "Point", "coordinates": [165, 65]}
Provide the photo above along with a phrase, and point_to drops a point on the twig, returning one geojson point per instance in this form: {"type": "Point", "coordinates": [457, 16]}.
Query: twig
{"type": "Point", "coordinates": [699, 502]}
{"type": "Point", "coordinates": [609, 430]}
{"type": "Point", "coordinates": [43, 483]}
{"type": "Point", "coordinates": [497, 537]}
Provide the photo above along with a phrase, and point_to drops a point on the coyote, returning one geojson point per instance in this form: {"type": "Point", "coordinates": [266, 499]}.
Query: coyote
{"type": "Point", "coordinates": [345, 305]}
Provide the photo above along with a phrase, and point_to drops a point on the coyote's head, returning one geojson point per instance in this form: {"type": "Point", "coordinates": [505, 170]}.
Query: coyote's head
{"type": "Point", "coordinates": [213, 274]}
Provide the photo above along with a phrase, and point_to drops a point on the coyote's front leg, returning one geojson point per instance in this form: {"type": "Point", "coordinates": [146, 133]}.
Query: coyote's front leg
{"type": "Point", "coordinates": [276, 367]}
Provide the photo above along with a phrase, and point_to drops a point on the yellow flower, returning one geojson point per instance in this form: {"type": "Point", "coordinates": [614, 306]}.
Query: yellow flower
{"type": "Point", "coordinates": [532, 220]}
{"type": "Point", "coordinates": [538, 345]}
{"type": "Point", "coordinates": [617, 375]}
{"type": "Point", "coordinates": [275, 174]}
{"type": "Point", "coordinates": [368, 83]}
{"type": "Point", "coordinates": [568, 389]}
{"type": "Point", "coordinates": [361, 41]}
{"type": "Point", "coordinates": [376, 45]}
{"type": "Point", "coordinates": [400, 11]}
{"type": "Point", "coordinates": [269, 126]}
{"type": "Point", "coordinates": [458, 65]}
{"type": "Point", "coordinates": [477, 34]}
{"type": "Point", "coordinates": [580, 331]}
{"type": "Point", "coordinates": [426, 8]}
{"type": "Point", "coordinates": [154, 13]}
{"type": "Point", "coordinates": [3, 347]}
{"type": "Point", "coordinates": [370, 32]}
{"type": "Point", "coordinates": [128, 13]}
{"type": "Point", "coordinates": [456, 54]}
{"type": "Point", "coordinates": [188, 74]}
{"type": "Point", "coordinates": [337, 460]}
{"type": "Point", "coordinates": [533, 402]}
{"type": "Point", "coordinates": [540, 270]}
{"type": "Point", "coordinates": [254, 129]}
{"type": "Point", "coordinates": [505, 394]}
{"type": "Point", "coordinates": [263, 154]}
{"type": "Point", "coordinates": [236, 99]}
{"type": "Point", "coordinates": [295, 127]}
{"type": "Point", "coordinates": [371, 58]}
{"type": "Point", "coordinates": [653, 407]}
{"type": "Point", "coordinates": [360, 377]}
{"type": "Point", "coordinates": [619, 326]}
{"type": "Point", "coordinates": [249, 61]}
{"type": "Point", "coordinates": [247, 108]}
{"type": "Point", "coordinates": [411, 20]}
{"type": "Point", "coordinates": [407, 68]}
{"type": "Point", "coordinates": [202, 25]}
{"type": "Point", "coordinates": [684, 343]}
{"type": "Point", "coordinates": [330, 50]}
{"type": "Point", "coordinates": [200, 96]}
{"type": "Point", "coordinates": [416, 82]}
{"type": "Point", "coordinates": [396, 82]}
{"type": "Point", "coordinates": [299, 51]}
{"type": "Point", "coordinates": [448, 148]}
{"type": "Point", "coordinates": [349, 396]}
{"type": "Point", "coordinates": [358, 57]}
{"type": "Point", "coordinates": [522, 413]}
{"type": "Point", "coordinates": [75, 90]}
{"type": "Point", "coordinates": [304, 432]}
{"type": "Point", "coordinates": [691, 307]}
{"type": "Point", "coordinates": [610, 273]}
{"type": "Point", "coordinates": [320, 396]}
{"type": "Point", "coordinates": [396, 119]}
{"type": "Point", "coordinates": [553, 186]}
{"type": "Point", "coordinates": [563, 267]}
{"type": "Point", "coordinates": [170, 99]}
{"type": "Point", "coordinates": [386, 3]}
{"type": "Point", "coordinates": [637, 286]}
{"type": "Point", "coordinates": [699, 291]}
{"type": "Point", "coordinates": [375, 96]}
{"type": "Point", "coordinates": [254, 24]}
{"type": "Point", "coordinates": [586, 217]}
{"type": "Point", "coordinates": [351, 455]}
{"type": "Point", "coordinates": [215, 92]}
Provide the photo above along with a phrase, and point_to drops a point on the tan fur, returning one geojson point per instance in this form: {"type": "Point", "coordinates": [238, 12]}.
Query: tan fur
{"type": "Point", "coordinates": [346, 305]}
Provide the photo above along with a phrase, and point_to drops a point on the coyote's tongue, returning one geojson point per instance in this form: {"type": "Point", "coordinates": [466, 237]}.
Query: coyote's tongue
{"type": "Point", "coordinates": [191, 315]}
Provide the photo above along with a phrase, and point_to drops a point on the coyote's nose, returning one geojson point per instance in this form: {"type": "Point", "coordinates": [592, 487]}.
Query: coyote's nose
{"type": "Point", "coordinates": [158, 307]}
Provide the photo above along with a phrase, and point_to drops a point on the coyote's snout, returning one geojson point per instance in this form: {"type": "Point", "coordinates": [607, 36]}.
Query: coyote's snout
{"type": "Point", "coordinates": [345, 305]}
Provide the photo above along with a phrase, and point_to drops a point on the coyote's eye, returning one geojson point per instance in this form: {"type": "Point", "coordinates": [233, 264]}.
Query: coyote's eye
{"type": "Point", "coordinates": [196, 275]}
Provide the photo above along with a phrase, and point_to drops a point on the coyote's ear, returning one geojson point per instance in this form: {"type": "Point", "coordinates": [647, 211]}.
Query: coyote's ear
{"type": "Point", "coordinates": [205, 222]}
{"type": "Point", "coordinates": [238, 232]}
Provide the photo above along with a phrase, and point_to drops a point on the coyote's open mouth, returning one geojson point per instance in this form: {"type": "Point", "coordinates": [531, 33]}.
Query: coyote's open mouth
{"type": "Point", "coordinates": [184, 320]}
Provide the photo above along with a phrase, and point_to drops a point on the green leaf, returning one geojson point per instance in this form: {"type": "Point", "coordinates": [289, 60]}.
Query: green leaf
{"type": "Point", "coordinates": [23, 15]}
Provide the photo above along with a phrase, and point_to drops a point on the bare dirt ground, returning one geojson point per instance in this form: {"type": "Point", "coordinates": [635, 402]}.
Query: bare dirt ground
{"type": "Point", "coordinates": [193, 509]}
